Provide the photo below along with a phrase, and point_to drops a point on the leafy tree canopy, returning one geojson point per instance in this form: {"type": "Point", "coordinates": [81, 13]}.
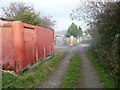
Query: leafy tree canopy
{"type": "Point", "coordinates": [74, 30]}
{"type": "Point", "coordinates": [29, 18]}
{"type": "Point", "coordinates": [26, 13]}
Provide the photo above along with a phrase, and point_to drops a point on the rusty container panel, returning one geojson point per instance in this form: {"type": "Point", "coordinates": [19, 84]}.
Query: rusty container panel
{"type": "Point", "coordinates": [48, 40]}
{"type": "Point", "coordinates": [0, 46]}
{"type": "Point", "coordinates": [7, 46]}
{"type": "Point", "coordinates": [30, 44]}
{"type": "Point", "coordinates": [19, 45]}
{"type": "Point", "coordinates": [40, 42]}
{"type": "Point", "coordinates": [45, 41]}
{"type": "Point", "coordinates": [12, 45]}
{"type": "Point", "coordinates": [51, 41]}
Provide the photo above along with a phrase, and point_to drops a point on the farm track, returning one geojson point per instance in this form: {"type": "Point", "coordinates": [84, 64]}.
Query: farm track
{"type": "Point", "coordinates": [54, 80]}
{"type": "Point", "coordinates": [89, 75]}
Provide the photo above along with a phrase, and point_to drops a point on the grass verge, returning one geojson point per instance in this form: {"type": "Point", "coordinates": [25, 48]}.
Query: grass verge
{"type": "Point", "coordinates": [72, 76]}
{"type": "Point", "coordinates": [107, 80]}
{"type": "Point", "coordinates": [34, 77]}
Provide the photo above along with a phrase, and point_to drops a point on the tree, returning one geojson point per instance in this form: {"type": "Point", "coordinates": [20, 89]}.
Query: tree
{"type": "Point", "coordinates": [48, 22]}
{"type": "Point", "coordinates": [29, 18]}
{"type": "Point", "coordinates": [15, 8]}
{"type": "Point", "coordinates": [79, 32]}
{"type": "Point", "coordinates": [26, 13]}
{"type": "Point", "coordinates": [73, 30]}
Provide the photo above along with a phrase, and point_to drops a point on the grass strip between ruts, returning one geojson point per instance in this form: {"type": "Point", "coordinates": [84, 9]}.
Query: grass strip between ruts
{"type": "Point", "coordinates": [72, 76]}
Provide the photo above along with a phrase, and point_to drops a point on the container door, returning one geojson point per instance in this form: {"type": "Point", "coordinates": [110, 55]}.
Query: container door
{"type": "Point", "coordinates": [30, 45]}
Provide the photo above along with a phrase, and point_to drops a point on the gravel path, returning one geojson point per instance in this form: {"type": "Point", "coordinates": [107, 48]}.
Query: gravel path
{"type": "Point", "coordinates": [54, 80]}
{"type": "Point", "coordinates": [90, 78]}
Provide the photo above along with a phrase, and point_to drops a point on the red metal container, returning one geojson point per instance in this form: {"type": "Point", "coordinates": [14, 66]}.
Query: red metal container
{"type": "Point", "coordinates": [23, 43]}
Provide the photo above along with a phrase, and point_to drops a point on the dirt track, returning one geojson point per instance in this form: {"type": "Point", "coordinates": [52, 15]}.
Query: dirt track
{"type": "Point", "coordinates": [54, 80]}
{"type": "Point", "coordinates": [90, 77]}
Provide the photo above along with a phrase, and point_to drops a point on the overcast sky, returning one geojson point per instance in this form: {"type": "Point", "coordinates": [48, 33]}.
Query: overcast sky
{"type": "Point", "coordinates": [59, 9]}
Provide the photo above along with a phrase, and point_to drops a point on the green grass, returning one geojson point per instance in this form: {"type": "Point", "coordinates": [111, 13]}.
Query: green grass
{"type": "Point", "coordinates": [107, 80]}
{"type": "Point", "coordinates": [71, 78]}
{"type": "Point", "coordinates": [34, 77]}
